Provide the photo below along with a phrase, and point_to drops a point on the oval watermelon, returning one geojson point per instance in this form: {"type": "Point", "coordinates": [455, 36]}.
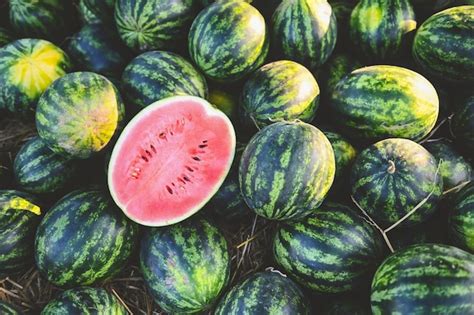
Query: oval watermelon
{"type": "Point", "coordinates": [461, 219]}
{"type": "Point", "coordinates": [5, 37]}
{"type": "Point", "coordinates": [463, 126]}
{"type": "Point", "coordinates": [7, 309]}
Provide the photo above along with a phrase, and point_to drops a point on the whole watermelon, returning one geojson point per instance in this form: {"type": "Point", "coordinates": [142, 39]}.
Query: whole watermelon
{"type": "Point", "coordinates": [7, 309]}
{"type": "Point", "coordinates": [463, 126]}
{"type": "Point", "coordinates": [461, 219]}
{"type": "Point", "coordinates": [84, 238]}
{"type": "Point", "coordinates": [5, 36]}
{"type": "Point", "coordinates": [186, 266]}
{"type": "Point", "coordinates": [228, 40]}
{"type": "Point", "coordinates": [264, 293]}
{"type": "Point", "coordinates": [425, 279]}
{"type": "Point", "coordinates": [392, 177]}
{"type": "Point", "coordinates": [344, 154]}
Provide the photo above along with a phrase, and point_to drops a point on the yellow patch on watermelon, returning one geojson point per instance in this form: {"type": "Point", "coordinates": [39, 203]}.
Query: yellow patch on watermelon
{"type": "Point", "coordinates": [19, 203]}
{"type": "Point", "coordinates": [371, 18]}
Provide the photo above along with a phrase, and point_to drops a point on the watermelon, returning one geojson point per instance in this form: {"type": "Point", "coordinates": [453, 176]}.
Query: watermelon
{"type": "Point", "coordinates": [185, 266]}
{"type": "Point", "coordinates": [150, 24]}
{"type": "Point", "coordinates": [425, 279]}
{"type": "Point", "coordinates": [281, 90]}
{"type": "Point", "coordinates": [304, 31]}
{"type": "Point", "coordinates": [225, 101]}
{"type": "Point", "coordinates": [84, 300]}
{"type": "Point", "coordinates": [344, 154]}
{"type": "Point", "coordinates": [7, 309]}
{"type": "Point", "coordinates": [336, 68]}
{"type": "Point", "coordinates": [392, 177]}
{"type": "Point", "coordinates": [156, 75]}
{"type": "Point", "coordinates": [19, 216]}
{"type": "Point", "coordinates": [443, 45]}
{"type": "Point", "coordinates": [83, 239]}
{"type": "Point", "coordinates": [286, 170]}
{"type": "Point", "coordinates": [463, 126]}
{"type": "Point", "coordinates": [86, 14]}
{"type": "Point", "coordinates": [264, 293]}
{"type": "Point", "coordinates": [37, 169]}
{"type": "Point", "coordinates": [379, 28]}
{"type": "Point", "coordinates": [5, 36]}
{"type": "Point", "coordinates": [78, 114]}
{"type": "Point", "coordinates": [228, 40]}
{"type": "Point", "coordinates": [461, 219]}
{"type": "Point", "coordinates": [103, 10]}
{"type": "Point", "coordinates": [378, 102]}
{"type": "Point", "coordinates": [27, 68]}
{"type": "Point", "coordinates": [170, 160]}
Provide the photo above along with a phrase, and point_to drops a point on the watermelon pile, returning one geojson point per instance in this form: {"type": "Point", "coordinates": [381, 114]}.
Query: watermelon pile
{"type": "Point", "coordinates": [260, 157]}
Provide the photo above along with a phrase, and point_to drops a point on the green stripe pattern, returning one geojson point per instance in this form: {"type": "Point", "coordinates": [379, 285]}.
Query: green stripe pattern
{"type": "Point", "coordinates": [84, 238]}
{"type": "Point", "coordinates": [5, 36]}
{"type": "Point", "coordinates": [286, 170]}
{"type": "Point", "coordinates": [392, 176]}
{"type": "Point", "coordinates": [461, 219]}
{"type": "Point", "coordinates": [186, 265]}
{"type": "Point", "coordinates": [463, 126]}
{"type": "Point", "coordinates": [344, 153]}
{"type": "Point", "coordinates": [444, 45]}
{"type": "Point", "coordinates": [337, 67]}
{"type": "Point", "coordinates": [86, 13]}
{"type": "Point", "coordinates": [378, 102]}
{"type": "Point", "coordinates": [281, 90]}
{"type": "Point", "coordinates": [85, 301]}
{"type": "Point", "coordinates": [156, 75]}
{"type": "Point", "coordinates": [425, 279]}
{"type": "Point", "coordinates": [7, 309]}
{"type": "Point", "coordinates": [228, 40]}
{"type": "Point", "coordinates": [304, 31]}
{"type": "Point", "coordinates": [264, 293]}
{"type": "Point", "coordinates": [103, 10]}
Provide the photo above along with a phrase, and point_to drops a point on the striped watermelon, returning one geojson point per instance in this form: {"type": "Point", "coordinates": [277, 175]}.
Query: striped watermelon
{"type": "Point", "coordinates": [393, 176]}
{"type": "Point", "coordinates": [286, 170]}
{"type": "Point", "coordinates": [337, 67]}
{"type": "Point", "coordinates": [281, 90]}
{"type": "Point", "coordinates": [379, 102]}
{"type": "Point", "coordinates": [264, 293]}
{"type": "Point", "coordinates": [5, 36]}
{"type": "Point", "coordinates": [185, 266]}
{"type": "Point", "coordinates": [19, 216]}
{"type": "Point", "coordinates": [85, 300]}
{"type": "Point", "coordinates": [7, 309]}
{"type": "Point", "coordinates": [344, 153]}
{"type": "Point", "coordinates": [425, 279]}
{"type": "Point", "coordinates": [78, 114]}
{"type": "Point", "coordinates": [304, 31]}
{"type": "Point", "coordinates": [155, 75]}
{"type": "Point", "coordinates": [228, 40]}
{"type": "Point", "coordinates": [463, 126]}
{"type": "Point", "coordinates": [83, 239]}
{"type": "Point", "coordinates": [461, 219]}
{"type": "Point", "coordinates": [27, 68]}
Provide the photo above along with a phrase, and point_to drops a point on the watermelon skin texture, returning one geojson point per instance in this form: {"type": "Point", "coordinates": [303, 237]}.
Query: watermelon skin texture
{"type": "Point", "coordinates": [79, 114]}
{"type": "Point", "coordinates": [336, 68]}
{"type": "Point", "coordinates": [379, 102]}
{"type": "Point", "coordinates": [463, 126]}
{"type": "Point", "coordinates": [5, 36]}
{"type": "Point", "coordinates": [228, 51]}
{"type": "Point", "coordinates": [19, 217]}
{"type": "Point", "coordinates": [85, 300]}
{"type": "Point", "coordinates": [443, 45]}
{"type": "Point", "coordinates": [186, 266]}
{"type": "Point", "coordinates": [344, 153]}
{"type": "Point", "coordinates": [156, 75]}
{"type": "Point", "coordinates": [147, 25]}
{"type": "Point", "coordinates": [21, 84]}
{"type": "Point", "coordinates": [461, 219]}
{"type": "Point", "coordinates": [7, 309]}
{"type": "Point", "coordinates": [302, 166]}
{"type": "Point", "coordinates": [86, 14]}
{"type": "Point", "coordinates": [264, 293]}
{"type": "Point", "coordinates": [83, 239]}
{"type": "Point", "coordinates": [304, 31]}
{"type": "Point", "coordinates": [102, 9]}
{"type": "Point", "coordinates": [425, 279]}
{"type": "Point", "coordinates": [379, 28]}
{"type": "Point", "coordinates": [392, 176]}
{"type": "Point", "coordinates": [39, 170]}
{"type": "Point", "coordinates": [281, 90]}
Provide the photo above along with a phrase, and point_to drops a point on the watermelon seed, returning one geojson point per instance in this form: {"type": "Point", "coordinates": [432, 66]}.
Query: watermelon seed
{"type": "Point", "coordinates": [162, 136]}
{"type": "Point", "coordinates": [186, 178]}
{"type": "Point", "coordinates": [189, 169]}
{"type": "Point", "coordinates": [148, 152]}
{"type": "Point", "coordinates": [204, 141]}
{"type": "Point", "coordinates": [144, 158]}
{"type": "Point", "coordinates": [153, 148]}
{"type": "Point", "coordinates": [195, 158]}
{"type": "Point", "coordinates": [181, 180]}
{"type": "Point", "coordinates": [169, 189]}
{"type": "Point", "coordinates": [202, 146]}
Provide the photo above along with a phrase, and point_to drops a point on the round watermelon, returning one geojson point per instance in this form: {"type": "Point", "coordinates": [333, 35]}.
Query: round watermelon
{"type": "Point", "coordinates": [7, 309]}
{"type": "Point", "coordinates": [286, 170]}
{"type": "Point", "coordinates": [228, 40]}
{"type": "Point", "coordinates": [83, 239]}
{"type": "Point", "coordinates": [5, 36]}
{"type": "Point", "coordinates": [344, 154]}
{"type": "Point", "coordinates": [463, 126]}
{"type": "Point", "coordinates": [461, 219]}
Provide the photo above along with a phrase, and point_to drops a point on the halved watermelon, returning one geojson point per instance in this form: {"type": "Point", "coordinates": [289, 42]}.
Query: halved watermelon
{"type": "Point", "coordinates": [170, 160]}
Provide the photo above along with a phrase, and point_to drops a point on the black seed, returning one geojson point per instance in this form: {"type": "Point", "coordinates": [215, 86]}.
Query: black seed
{"type": "Point", "coordinates": [204, 141]}
{"type": "Point", "coordinates": [144, 158]}
{"type": "Point", "coordinates": [148, 152]}
{"type": "Point", "coordinates": [189, 169]}
{"type": "Point", "coordinates": [195, 158]}
{"type": "Point", "coordinates": [169, 189]}
{"type": "Point", "coordinates": [186, 178]}
{"type": "Point", "coordinates": [153, 148]}
{"type": "Point", "coordinates": [202, 146]}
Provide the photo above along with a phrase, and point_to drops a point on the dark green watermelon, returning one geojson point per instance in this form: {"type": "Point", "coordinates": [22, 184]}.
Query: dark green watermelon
{"type": "Point", "coordinates": [7, 309]}
{"type": "Point", "coordinates": [393, 176]}
{"type": "Point", "coordinates": [19, 216]}
{"type": "Point", "coordinates": [228, 40]}
{"type": "Point", "coordinates": [264, 293]}
{"type": "Point", "coordinates": [463, 127]}
{"type": "Point", "coordinates": [156, 75]}
{"type": "Point", "coordinates": [186, 266]}
{"type": "Point", "coordinates": [344, 153]}
{"type": "Point", "coordinates": [461, 219]}
{"type": "Point", "coordinates": [84, 238]}
{"type": "Point", "coordinates": [5, 36]}
{"type": "Point", "coordinates": [425, 279]}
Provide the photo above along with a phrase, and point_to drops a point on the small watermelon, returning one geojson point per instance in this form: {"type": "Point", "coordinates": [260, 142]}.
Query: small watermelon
{"type": "Point", "coordinates": [286, 170]}
{"type": "Point", "coordinates": [5, 37]}
{"type": "Point", "coordinates": [185, 266]}
{"type": "Point", "coordinates": [228, 40]}
{"type": "Point", "coordinates": [27, 68]}
{"type": "Point", "coordinates": [425, 279]}
{"type": "Point", "coordinates": [7, 309]}
{"type": "Point", "coordinates": [461, 219]}
{"type": "Point", "coordinates": [225, 101]}
{"type": "Point", "coordinates": [78, 114]}
{"type": "Point", "coordinates": [463, 126]}
{"type": "Point", "coordinates": [85, 300]}
{"type": "Point", "coordinates": [304, 31]}
{"type": "Point", "coordinates": [264, 293]}
{"type": "Point", "coordinates": [83, 239]}
{"type": "Point", "coordinates": [156, 75]}
{"type": "Point", "coordinates": [344, 153]}
{"type": "Point", "coordinates": [19, 216]}
{"type": "Point", "coordinates": [392, 177]}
